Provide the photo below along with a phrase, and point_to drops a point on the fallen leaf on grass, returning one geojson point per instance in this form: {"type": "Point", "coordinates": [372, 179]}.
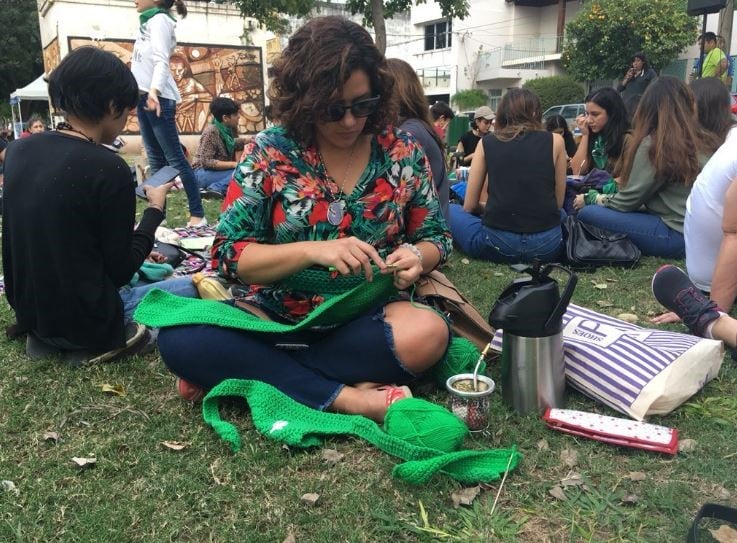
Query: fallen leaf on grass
{"type": "Point", "coordinates": [175, 445]}
{"type": "Point", "coordinates": [465, 496]}
{"type": "Point", "coordinates": [628, 317]}
{"type": "Point", "coordinates": [724, 534]}
{"type": "Point", "coordinates": [51, 436]}
{"type": "Point", "coordinates": [557, 493]}
{"type": "Point", "coordinates": [9, 486]}
{"type": "Point", "coordinates": [310, 499]}
{"type": "Point", "coordinates": [542, 445]}
{"type": "Point", "coordinates": [687, 445]}
{"type": "Point", "coordinates": [290, 539]}
{"type": "Point", "coordinates": [600, 286]}
{"type": "Point", "coordinates": [331, 456]}
{"type": "Point", "coordinates": [604, 303]}
{"type": "Point", "coordinates": [569, 457]}
{"type": "Point", "coordinates": [572, 479]}
{"type": "Point", "coordinates": [610, 280]}
{"type": "Point", "coordinates": [465, 261]}
{"type": "Point", "coordinates": [498, 274]}
{"type": "Point", "coordinates": [637, 476]}
{"type": "Point", "coordinates": [83, 463]}
{"type": "Point", "coordinates": [630, 499]}
{"type": "Point", "coordinates": [116, 390]}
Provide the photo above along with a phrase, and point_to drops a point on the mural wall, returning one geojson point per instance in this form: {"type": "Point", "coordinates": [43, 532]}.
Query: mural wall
{"type": "Point", "coordinates": [203, 72]}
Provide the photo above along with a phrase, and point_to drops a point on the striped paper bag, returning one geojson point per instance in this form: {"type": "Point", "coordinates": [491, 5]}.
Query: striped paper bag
{"type": "Point", "coordinates": [634, 370]}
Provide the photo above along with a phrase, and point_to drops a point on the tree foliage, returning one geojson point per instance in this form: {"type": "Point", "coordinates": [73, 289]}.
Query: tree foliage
{"type": "Point", "coordinates": [470, 99]}
{"type": "Point", "coordinates": [606, 33]}
{"type": "Point", "coordinates": [20, 53]}
{"type": "Point", "coordinates": [271, 13]}
{"type": "Point", "coordinates": [555, 90]}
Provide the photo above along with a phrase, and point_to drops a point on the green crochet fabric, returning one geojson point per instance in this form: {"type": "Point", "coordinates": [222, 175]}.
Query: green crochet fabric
{"type": "Point", "coordinates": [279, 417]}
{"type": "Point", "coordinates": [160, 309]}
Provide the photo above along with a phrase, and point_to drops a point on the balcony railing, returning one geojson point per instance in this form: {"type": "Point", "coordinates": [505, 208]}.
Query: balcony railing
{"type": "Point", "coordinates": [529, 54]}
{"type": "Point", "coordinates": [434, 78]}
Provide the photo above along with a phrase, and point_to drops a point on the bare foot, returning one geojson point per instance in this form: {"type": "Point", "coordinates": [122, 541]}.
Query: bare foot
{"type": "Point", "coordinates": [369, 402]}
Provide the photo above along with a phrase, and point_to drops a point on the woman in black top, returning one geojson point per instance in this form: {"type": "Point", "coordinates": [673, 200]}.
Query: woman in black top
{"type": "Point", "coordinates": [480, 126]}
{"type": "Point", "coordinates": [526, 169]}
{"type": "Point", "coordinates": [68, 240]}
{"type": "Point", "coordinates": [557, 124]}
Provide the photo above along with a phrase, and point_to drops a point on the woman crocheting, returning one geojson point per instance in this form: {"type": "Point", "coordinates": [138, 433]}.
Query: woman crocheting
{"type": "Point", "coordinates": [331, 188]}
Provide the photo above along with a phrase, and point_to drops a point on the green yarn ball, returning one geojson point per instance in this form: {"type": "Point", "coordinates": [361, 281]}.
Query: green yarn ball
{"type": "Point", "coordinates": [425, 424]}
{"type": "Point", "coordinates": [461, 357]}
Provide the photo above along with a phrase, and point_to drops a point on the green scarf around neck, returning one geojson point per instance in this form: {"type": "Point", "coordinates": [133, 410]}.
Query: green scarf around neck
{"type": "Point", "coordinates": [144, 16]}
{"type": "Point", "coordinates": [227, 136]}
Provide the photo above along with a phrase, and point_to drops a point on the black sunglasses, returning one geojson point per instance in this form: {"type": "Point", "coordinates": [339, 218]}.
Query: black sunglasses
{"type": "Point", "coordinates": [362, 108]}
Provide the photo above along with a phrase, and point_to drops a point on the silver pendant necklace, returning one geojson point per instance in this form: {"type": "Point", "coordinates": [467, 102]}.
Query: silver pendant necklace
{"type": "Point", "coordinates": [336, 208]}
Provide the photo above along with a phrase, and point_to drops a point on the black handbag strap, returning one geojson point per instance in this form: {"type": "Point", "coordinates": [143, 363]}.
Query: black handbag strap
{"type": "Point", "coordinates": [711, 510]}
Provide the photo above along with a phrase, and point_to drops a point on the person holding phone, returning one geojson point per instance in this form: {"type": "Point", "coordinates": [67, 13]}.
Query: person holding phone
{"type": "Point", "coordinates": [157, 104]}
{"type": "Point", "coordinates": [332, 187]}
{"type": "Point", "coordinates": [69, 244]}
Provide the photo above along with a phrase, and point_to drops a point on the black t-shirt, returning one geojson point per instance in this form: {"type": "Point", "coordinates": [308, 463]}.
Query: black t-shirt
{"type": "Point", "coordinates": [469, 141]}
{"type": "Point", "coordinates": [521, 183]}
{"type": "Point", "coordinates": [68, 239]}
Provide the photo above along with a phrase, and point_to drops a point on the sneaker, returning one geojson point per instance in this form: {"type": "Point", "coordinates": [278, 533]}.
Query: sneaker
{"type": "Point", "coordinates": [673, 289]}
{"type": "Point", "coordinates": [189, 391]}
{"type": "Point", "coordinates": [200, 224]}
{"type": "Point", "coordinates": [136, 338]}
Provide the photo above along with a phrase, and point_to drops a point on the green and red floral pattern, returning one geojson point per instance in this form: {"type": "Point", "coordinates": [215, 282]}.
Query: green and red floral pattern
{"type": "Point", "coordinates": [280, 194]}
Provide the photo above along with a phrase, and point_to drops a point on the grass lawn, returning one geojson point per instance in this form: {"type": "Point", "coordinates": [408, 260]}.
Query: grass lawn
{"type": "Point", "coordinates": [142, 491]}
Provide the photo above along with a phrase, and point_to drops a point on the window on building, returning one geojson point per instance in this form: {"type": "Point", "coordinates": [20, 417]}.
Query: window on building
{"type": "Point", "coordinates": [495, 96]}
{"type": "Point", "coordinates": [438, 35]}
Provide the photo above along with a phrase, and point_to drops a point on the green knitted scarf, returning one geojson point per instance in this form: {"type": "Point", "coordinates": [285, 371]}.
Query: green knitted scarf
{"type": "Point", "coordinates": [279, 417]}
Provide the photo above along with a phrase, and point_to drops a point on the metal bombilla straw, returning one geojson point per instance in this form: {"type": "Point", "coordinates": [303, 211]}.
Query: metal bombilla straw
{"type": "Point", "coordinates": [478, 365]}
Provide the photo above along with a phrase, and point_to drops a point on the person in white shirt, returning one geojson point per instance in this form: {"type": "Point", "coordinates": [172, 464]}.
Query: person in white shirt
{"type": "Point", "coordinates": [160, 95]}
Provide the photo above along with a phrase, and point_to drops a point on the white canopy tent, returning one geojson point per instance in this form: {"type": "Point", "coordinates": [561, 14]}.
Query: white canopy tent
{"type": "Point", "coordinates": [35, 90]}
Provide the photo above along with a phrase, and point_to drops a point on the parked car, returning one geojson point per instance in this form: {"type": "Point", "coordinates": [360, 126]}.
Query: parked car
{"type": "Point", "coordinates": [568, 111]}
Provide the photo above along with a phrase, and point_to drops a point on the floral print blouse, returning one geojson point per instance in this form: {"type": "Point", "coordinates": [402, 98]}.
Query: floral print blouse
{"type": "Point", "coordinates": [280, 193]}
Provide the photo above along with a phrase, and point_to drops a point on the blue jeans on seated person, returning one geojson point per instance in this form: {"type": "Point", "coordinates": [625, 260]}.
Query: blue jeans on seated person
{"type": "Point", "coordinates": [215, 180]}
{"type": "Point", "coordinates": [161, 140]}
{"type": "Point", "coordinates": [480, 241]}
{"type": "Point", "coordinates": [309, 366]}
{"type": "Point", "coordinates": [132, 296]}
{"type": "Point", "coordinates": [651, 235]}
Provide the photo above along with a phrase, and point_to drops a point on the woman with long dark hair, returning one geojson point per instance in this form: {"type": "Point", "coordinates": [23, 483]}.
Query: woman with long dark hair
{"type": "Point", "coordinates": [639, 75]}
{"type": "Point", "coordinates": [603, 132]}
{"type": "Point", "coordinates": [414, 117]}
{"type": "Point", "coordinates": [157, 105]}
{"type": "Point", "coordinates": [526, 168]}
{"type": "Point", "coordinates": [666, 151]}
{"type": "Point", "coordinates": [558, 125]}
{"type": "Point", "coordinates": [331, 191]}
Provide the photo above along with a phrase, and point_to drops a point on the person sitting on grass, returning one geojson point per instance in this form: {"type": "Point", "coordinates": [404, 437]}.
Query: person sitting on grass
{"type": "Point", "coordinates": [69, 247]}
{"type": "Point", "coordinates": [441, 116]}
{"type": "Point", "coordinates": [660, 163]}
{"type": "Point", "coordinates": [215, 160]}
{"type": "Point", "coordinates": [331, 187]}
{"type": "Point", "coordinates": [483, 118]}
{"type": "Point", "coordinates": [526, 167]}
{"type": "Point", "coordinates": [557, 124]}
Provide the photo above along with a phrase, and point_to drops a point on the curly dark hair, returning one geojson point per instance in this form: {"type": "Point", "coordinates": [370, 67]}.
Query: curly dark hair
{"type": "Point", "coordinates": [310, 73]}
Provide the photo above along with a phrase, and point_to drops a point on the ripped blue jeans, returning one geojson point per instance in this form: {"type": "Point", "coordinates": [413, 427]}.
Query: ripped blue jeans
{"type": "Point", "coordinates": [309, 366]}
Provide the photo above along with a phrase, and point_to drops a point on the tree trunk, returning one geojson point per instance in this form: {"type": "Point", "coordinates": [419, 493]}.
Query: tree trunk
{"type": "Point", "coordinates": [725, 25]}
{"type": "Point", "coordinates": [377, 14]}
{"type": "Point", "coordinates": [561, 28]}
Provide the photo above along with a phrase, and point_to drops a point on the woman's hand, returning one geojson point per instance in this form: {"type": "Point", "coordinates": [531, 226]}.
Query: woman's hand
{"type": "Point", "coordinates": [152, 103]}
{"type": "Point", "coordinates": [579, 202]}
{"type": "Point", "coordinates": [407, 267]}
{"type": "Point", "coordinates": [156, 257]}
{"type": "Point", "coordinates": [582, 124]}
{"type": "Point", "coordinates": [666, 318]}
{"type": "Point", "coordinates": [346, 255]}
{"type": "Point", "coordinates": [156, 196]}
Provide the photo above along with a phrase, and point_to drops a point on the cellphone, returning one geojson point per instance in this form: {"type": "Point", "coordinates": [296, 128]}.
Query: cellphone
{"type": "Point", "coordinates": [163, 176]}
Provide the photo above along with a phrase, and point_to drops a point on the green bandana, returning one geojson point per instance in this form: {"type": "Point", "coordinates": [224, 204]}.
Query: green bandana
{"type": "Point", "coordinates": [598, 153]}
{"type": "Point", "coordinates": [227, 136]}
{"type": "Point", "coordinates": [144, 16]}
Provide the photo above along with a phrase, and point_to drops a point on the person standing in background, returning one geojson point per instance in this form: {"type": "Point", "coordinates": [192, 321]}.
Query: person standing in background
{"type": "Point", "coordinates": [715, 61]}
{"type": "Point", "coordinates": [159, 96]}
{"type": "Point", "coordinates": [635, 81]}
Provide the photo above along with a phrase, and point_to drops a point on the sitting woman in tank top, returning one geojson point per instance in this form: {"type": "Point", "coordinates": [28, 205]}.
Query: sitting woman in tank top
{"type": "Point", "coordinates": [526, 168]}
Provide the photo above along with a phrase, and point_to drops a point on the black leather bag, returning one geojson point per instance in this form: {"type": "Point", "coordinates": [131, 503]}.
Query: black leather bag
{"type": "Point", "coordinates": [589, 247]}
{"type": "Point", "coordinates": [175, 255]}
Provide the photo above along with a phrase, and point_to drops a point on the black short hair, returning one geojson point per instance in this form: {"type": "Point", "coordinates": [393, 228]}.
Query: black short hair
{"type": "Point", "coordinates": [90, 81]}
{"type": "Point", "coordinates": [441, 109]}
{"type": "Point", "coordinates": [222, 106]}
{"type": "Point", "coordinates": [708, 36]}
